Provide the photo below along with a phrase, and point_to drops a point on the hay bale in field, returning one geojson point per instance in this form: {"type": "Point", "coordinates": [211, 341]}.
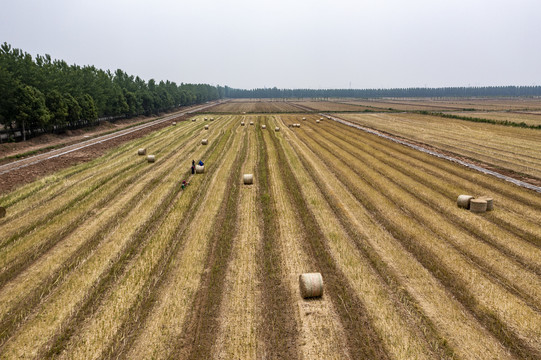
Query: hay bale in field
{"type": "Point", "coordinates": [2, 212]}
{"type": "Point", "coordinates": [206, 119]}
{"type": "Point", "coordinates": [206, 127]}
{"type": "Point", "coordinates": [304, 118]}
{"type": "Point", "coordinates": [298, 125]}
{"type": "Point", "coordinates": [151, 158]}
{"type": "Point", "coordinates": [277, 129]}
{"type": "Point", "coordinates": [242, 123]}
{"type": "Point", "coordinates": [463, 201]}
{"type": "Point", "coordinates": [490, 202]}
{"type": "Point", "coordinates": [174, 123]}
{"type": "Point", "coordinates": [248, 179]}
{"type": "Point", "coordinates": [317, 121]}
{"type": "Point", "coordinates": [204, 142]}
{"type": "Point", "coordinates": [478, 205]}
{"type": "Point", "coordinates": [320, 119]}
{"type": "Point", "coordinates": [211, 119]}
{"type": "Point", "coordinates": [311, 285]}
{"type": "Point", "coordinates": [199, 169]}
{"type": "Point", "coordinates": [142, 151]}
{"type": "Point", "coordinates": [263, 126]}
{"type": "Point", "coordinates": [194, 119]}
{"type": "Point", "coordinates": [251, 122]}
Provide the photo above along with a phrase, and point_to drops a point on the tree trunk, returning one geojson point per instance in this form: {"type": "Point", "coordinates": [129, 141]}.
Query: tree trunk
{"type": "Point", "coordinates": [24, 132]}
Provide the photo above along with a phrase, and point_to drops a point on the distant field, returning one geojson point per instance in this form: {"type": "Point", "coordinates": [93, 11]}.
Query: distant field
{"type": "Point", "coordinates": [530, 118]}
{"type": "Point", "coordinates": [254, 107]}
{"type": "Point", "coordinates": [333, 106]}
{"type": "Point", "coordinates": [451, 104]}
{"type": "Point", "coordinates": [507, 147]}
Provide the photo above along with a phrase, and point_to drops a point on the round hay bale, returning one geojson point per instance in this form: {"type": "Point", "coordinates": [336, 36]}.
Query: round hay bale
{"type": "Point", "coordinates": [311, 285]}
{"type": "Point", "coordinates": [141, 151]}
{"type": "Point", "coordinates": [206, 127]}
{"type": "Point", "coordinates": [298, 125]}
{"type": "Point", "coordinates": [317, 121]}
{"type": "Point", "coordinates": [490, 202]}
{"type": "Point", "coordinates": [211, 119]}
{"type": "Point", "coordinates": [248, 179]}
{"type": "Point", "coordinates": [194, 119]}
{"type": "Point", "coordinates": [206, 119]}
{"type": "Point", "coordinates": [242, 123]}
{"type": "Point", "coordinates": [263, 126]}
{"type": "Point", "coordinates": [463, 201]}
{"type": "Point", "coordinates": [204, 142]}
{"type": "Point", "coordinates": [320, 119]}
{"type": "Point", "coordinates": [304, 118]}
{"type": "Point", "coordinates": [2, 212]}
{"type": "Point", "coordinates": [251, 122]}
{"type": "Point", "coordinates": [277, 129]}
{"type": "Point", "coordinates": [151, 158]}
{"type": "Point", "coordinates": [478, 205]}
{"type": "Point", "coordinates": [199, 169]}
{"type": "Point", "coordinates": [174, 123]}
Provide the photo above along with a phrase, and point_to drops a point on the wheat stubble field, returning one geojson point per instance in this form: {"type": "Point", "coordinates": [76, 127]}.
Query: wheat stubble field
{"type": "Point", "coordinates": [113, 259]}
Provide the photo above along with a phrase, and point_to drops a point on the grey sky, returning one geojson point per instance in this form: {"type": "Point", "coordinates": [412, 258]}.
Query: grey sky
{"type": "Point", "coordinates": [289, 44]}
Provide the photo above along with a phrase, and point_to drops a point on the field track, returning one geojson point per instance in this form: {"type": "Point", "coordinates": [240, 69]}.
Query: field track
{"type": "Point", "coordinates": [113, 259]}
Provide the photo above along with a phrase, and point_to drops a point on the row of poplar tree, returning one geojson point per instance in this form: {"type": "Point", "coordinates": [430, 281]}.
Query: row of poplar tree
{"type": "Point", "coordinates": [43, 95]}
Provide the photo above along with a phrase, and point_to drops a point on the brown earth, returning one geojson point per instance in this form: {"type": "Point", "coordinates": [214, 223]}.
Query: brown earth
{"type": "Point", "coordinates": [25, 175]}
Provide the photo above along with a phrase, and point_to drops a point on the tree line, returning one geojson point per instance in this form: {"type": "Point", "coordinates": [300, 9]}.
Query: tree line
{"type": "Point", "coordinates": [43, 95]}
{"type": "Point", "coordinates": [483, 91]}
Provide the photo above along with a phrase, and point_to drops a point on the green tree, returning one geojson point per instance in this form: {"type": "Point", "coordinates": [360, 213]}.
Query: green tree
{"type": "Point", "coordinates": [58, 108]}
{"type": "Point", "coordinates": [88, 108]}
{"type": "Point", "coordinates": [31, 111]}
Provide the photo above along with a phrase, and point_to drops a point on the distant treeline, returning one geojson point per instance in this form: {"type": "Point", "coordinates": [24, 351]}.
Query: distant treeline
{"type": "Point", "coordinates": [41, 95]}
{"type": "Point", "coordinates": [484, 91]}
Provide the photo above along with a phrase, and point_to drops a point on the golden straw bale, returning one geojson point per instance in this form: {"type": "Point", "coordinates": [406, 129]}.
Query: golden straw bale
{"type": "Point", "coordinates": [463, 201]}
{"type": "Point", "coordinates": [478, 205]}
{"type": "Point", "coordinates": [311, 285]}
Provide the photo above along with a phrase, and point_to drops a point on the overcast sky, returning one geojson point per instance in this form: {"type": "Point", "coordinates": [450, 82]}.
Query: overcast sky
{"type": "Point", "coordinates": [289, 43]}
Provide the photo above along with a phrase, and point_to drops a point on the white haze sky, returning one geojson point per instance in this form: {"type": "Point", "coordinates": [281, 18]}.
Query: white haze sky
{"type": "Point", "coordinates": [289, 43]}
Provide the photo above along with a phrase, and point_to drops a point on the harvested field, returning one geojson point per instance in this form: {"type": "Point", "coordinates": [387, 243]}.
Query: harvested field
{"type": "Point", "coordinates": [529, 118]}
{"type": "Point", "coordinates": [113, 259]}
{"type": "Point", "coordinates": [333, 106]}
{"type": "Point", "coordinates": [500, 147]}
{"type": "Point", "coordinates": [456, 104]}
{"type": "Point", "coordinates": [254, 107]}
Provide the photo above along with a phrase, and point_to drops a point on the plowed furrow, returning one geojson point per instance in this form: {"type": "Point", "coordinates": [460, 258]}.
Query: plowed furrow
{"type": "Point", "coordinates": [363, 340]}
{"type": "Point", "coordinates": [398, 228]}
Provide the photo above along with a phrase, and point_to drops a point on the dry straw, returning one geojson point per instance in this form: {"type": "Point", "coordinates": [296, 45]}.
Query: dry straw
{"type": "Point", "coordinates": [151, 158]}
{"type": "Point", "coordinates": [199, 169]}
{"type": "Point", "coordinates": [490, 202]}
{"type": "Point", "coordinates": [311, 285]}
{"type": "Point", "coordinates": [463, 201]}
{"type": "Point", "coordinates": [277, 129]}
{"type": "Point", "coordinates": [141, 151]}
{"type": "Point", "coordinates": [248, 179]}
{"type": "Point", "coordinates": [204, 142]}
{"type": "Point", "coordinates": [206, 127]}
{"type": "Point", "coordinates": [2, 212]}
{"type": "Point", "coordinates": [478, 205]}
